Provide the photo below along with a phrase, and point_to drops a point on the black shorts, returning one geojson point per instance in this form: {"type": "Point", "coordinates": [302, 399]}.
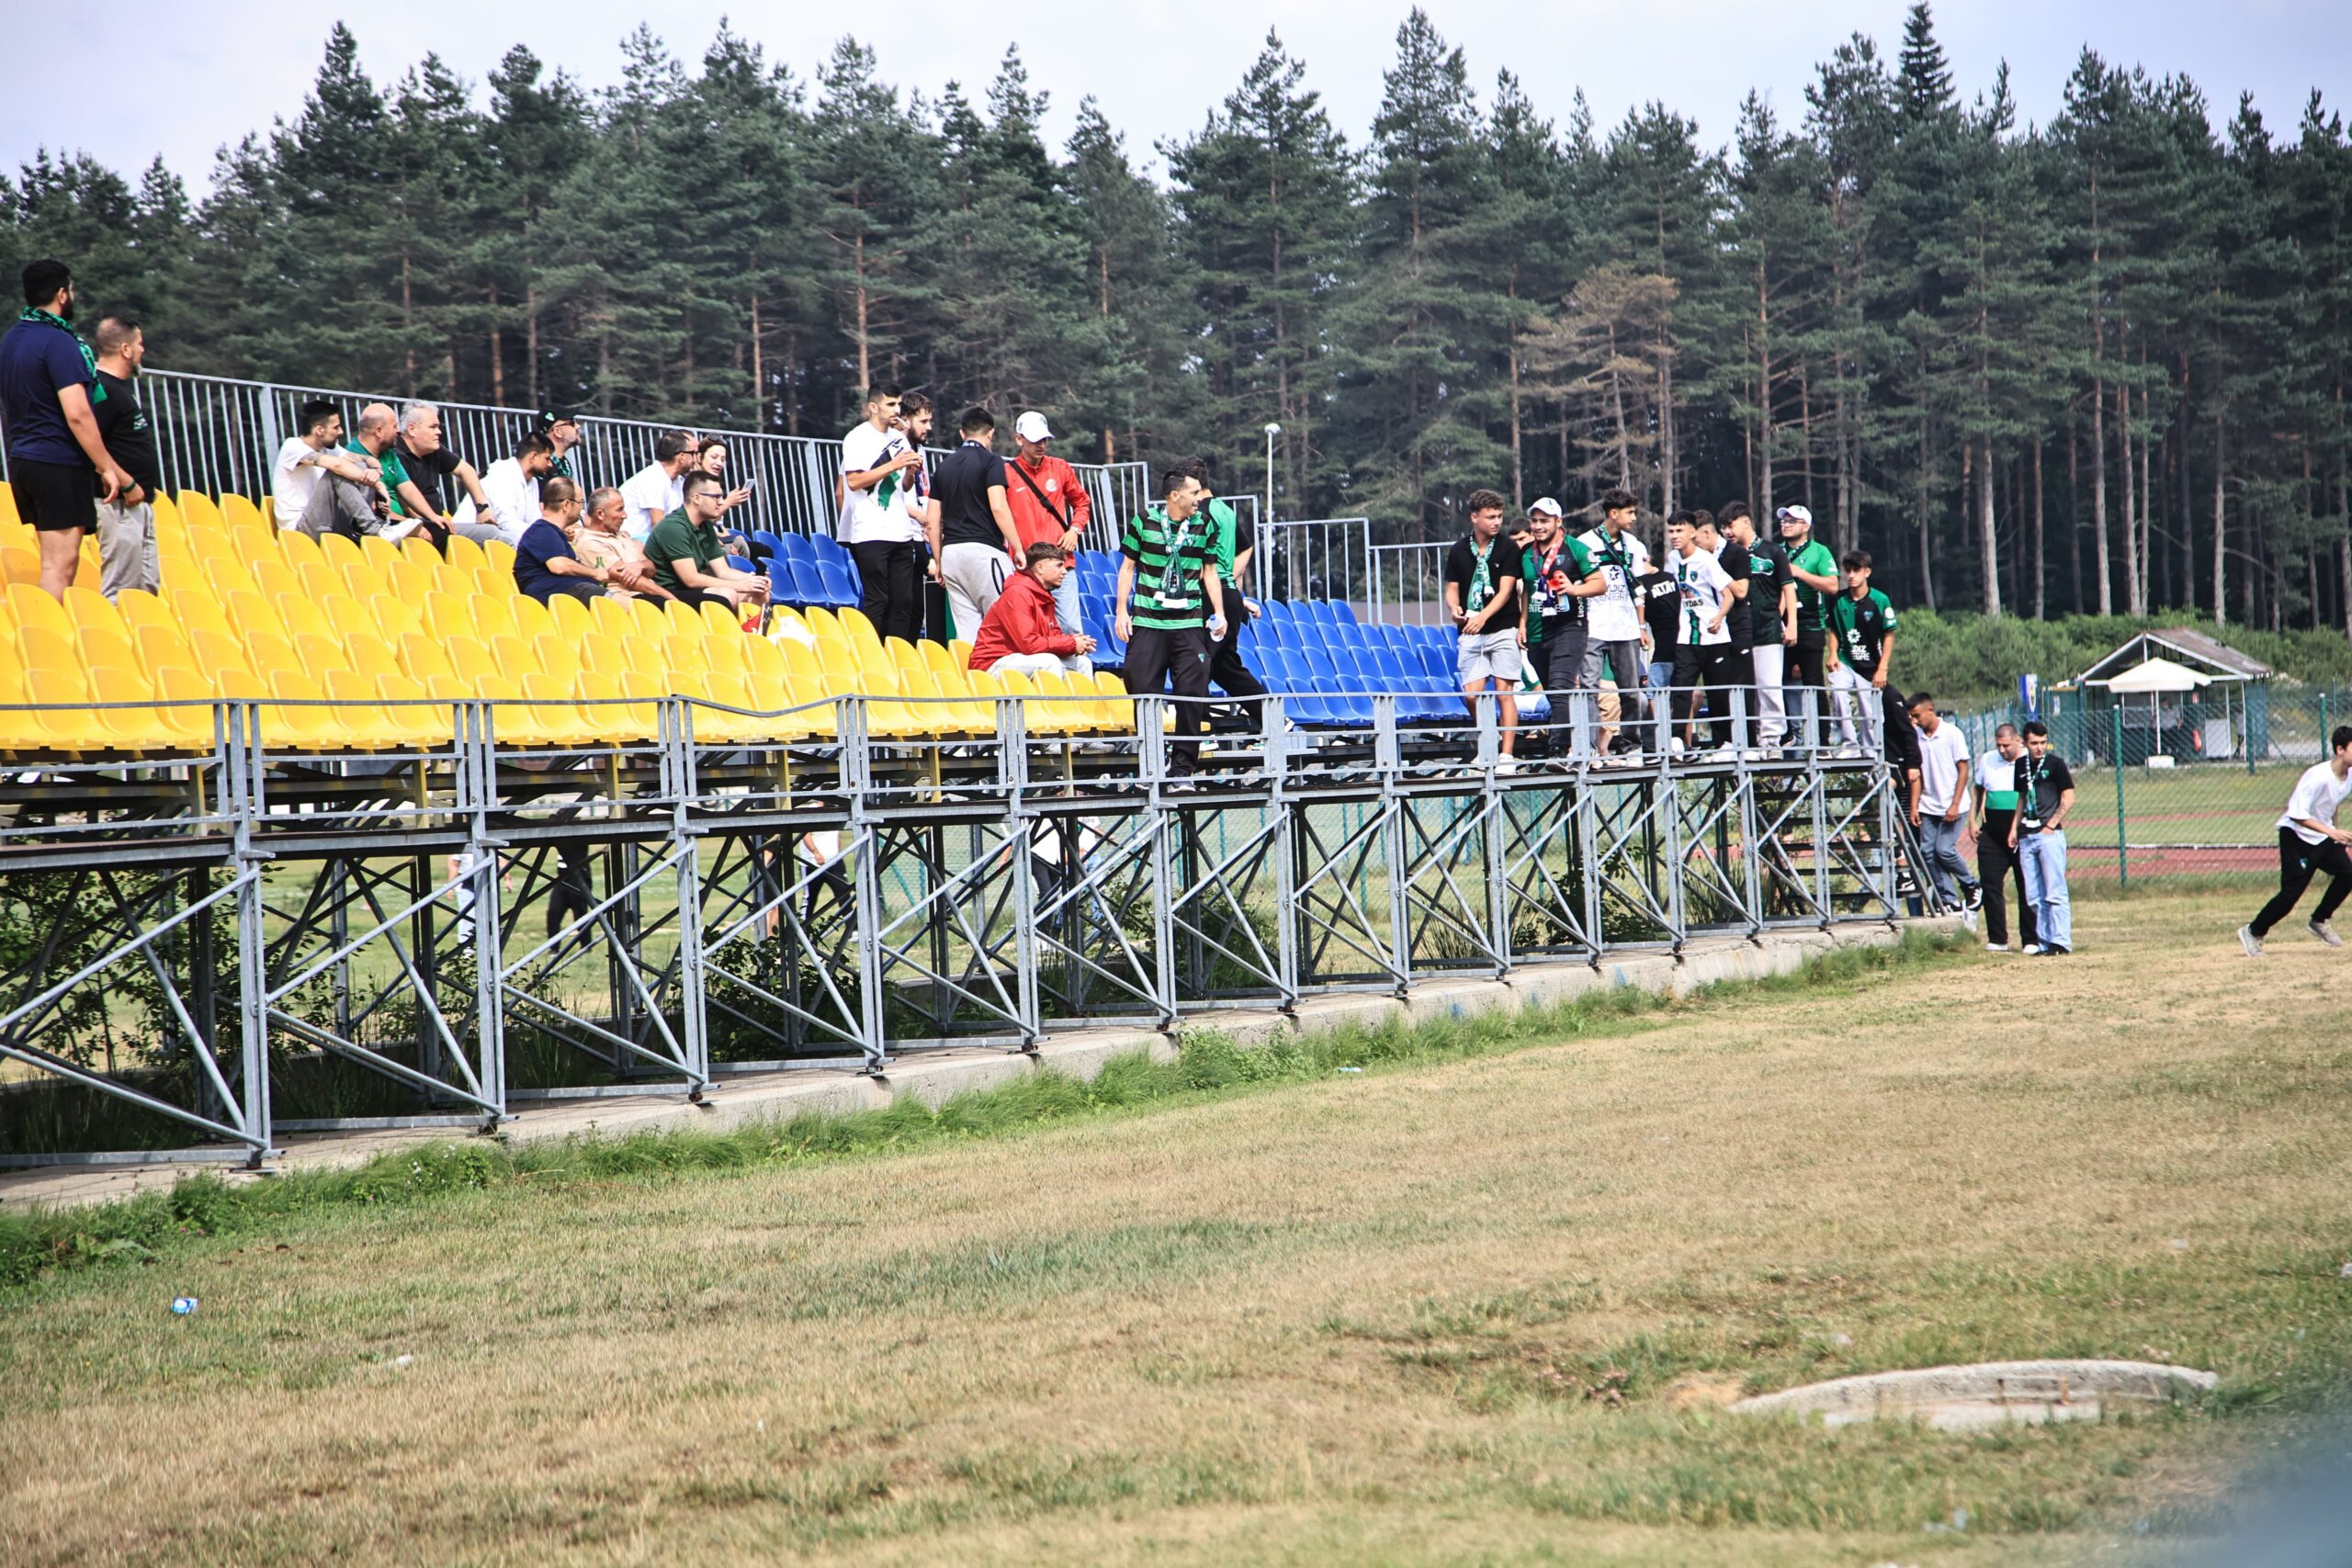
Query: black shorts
{"type": "Point", "coordinates": [50, 496]}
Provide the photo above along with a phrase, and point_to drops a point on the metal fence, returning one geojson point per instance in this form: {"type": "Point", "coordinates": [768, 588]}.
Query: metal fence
{"type": "Point", "coordinates": [2178, 784]}
{"type": "Point", "coordinates": [219, 435]}
{"type": "Point", "coordinates": [1320, 558]}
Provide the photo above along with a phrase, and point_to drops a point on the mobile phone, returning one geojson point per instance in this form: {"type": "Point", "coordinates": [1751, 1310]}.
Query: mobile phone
{"type": "Point", "coordinates": [752, 483]}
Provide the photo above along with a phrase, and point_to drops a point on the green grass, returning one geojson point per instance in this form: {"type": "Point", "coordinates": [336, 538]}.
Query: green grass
{"type": "Point", "coordinates": [37, 1242]}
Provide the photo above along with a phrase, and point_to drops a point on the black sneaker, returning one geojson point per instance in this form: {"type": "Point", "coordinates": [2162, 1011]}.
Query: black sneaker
{"type": "Point", "coordinates": [1975, 895]}
{"type": "Point", "coordinates": [2049, 952]}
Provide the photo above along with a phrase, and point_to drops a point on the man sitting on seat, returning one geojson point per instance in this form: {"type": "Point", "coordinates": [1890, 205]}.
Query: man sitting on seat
{"type": "Point", "coordinates": [544, 567]}
{"type": "Point", "coordinates": [690, 560]}
{"type": "Point", "coordinates": [602, 539]}
{"type": "Point", "coordinates": [1020, 632]}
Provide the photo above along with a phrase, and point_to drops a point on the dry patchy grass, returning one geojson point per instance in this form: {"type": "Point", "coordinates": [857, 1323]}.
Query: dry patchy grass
{"type": "Point", "coordinates": [1480, 1312]}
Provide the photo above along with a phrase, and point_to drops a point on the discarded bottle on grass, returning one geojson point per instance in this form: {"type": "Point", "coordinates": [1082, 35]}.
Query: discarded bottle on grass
{"type": "Point", "coordinates": [184, 1306]}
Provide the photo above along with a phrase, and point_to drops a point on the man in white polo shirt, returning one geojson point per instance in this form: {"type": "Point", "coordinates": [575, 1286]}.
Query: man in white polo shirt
{"type": "Point", "coordinates": [1942, 809]}
{"type": "Point", "coordinates": [2309, 843]}
{"type": "Point", "coordinates": [1613, 631]}
{"type": "Point", "coordinates": [658, 488]}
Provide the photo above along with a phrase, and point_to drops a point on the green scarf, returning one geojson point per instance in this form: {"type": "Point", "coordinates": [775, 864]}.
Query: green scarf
{"type": "Point", "coordinates": [89, 360]}
{"type": "Point", "coordinates": [1482, 581]}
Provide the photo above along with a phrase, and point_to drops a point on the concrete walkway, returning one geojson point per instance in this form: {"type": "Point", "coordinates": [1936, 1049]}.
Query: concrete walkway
{"type": "Point", "coordinates": [934, 1077]}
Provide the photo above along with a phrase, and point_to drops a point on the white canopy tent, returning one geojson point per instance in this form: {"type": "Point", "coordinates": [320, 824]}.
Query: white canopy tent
{"type": "Point", "coordinates": [2156, 678]}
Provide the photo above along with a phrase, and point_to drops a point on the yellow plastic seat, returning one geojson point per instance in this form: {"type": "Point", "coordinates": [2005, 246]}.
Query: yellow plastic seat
{"type": "Point", "coordinates": [370, 652]}
{"type": "Point", "coordinates": [138, 728]}
{"type": "Point", "coordinates": [45, 644]}
{"type": "Point", "coordinates": [408, 583]}
{"type": "Point", "coordinates": [304, 617]}
{"type": "Point", "coordinates": [557, 658]}
{"type": "Point", "coordinates": [250, 613]}
{"type": "Point", "coordinates": [267, 653]}
{"type": "Point", "coordinates": [292, 720]}
{"type": "Point", "coordinates": [613, 710]}
{"type": "Point", "coordinates": [499, 553]}
{"type": "Point", "coordinates": [492, 615]}
{"type": "Point", "coordinates": [67, 722]}
{"type": "Point", "coordinates": [190, 728]}
{"type": "Point", "coordinates": [423, 661]}
{"type": "Point", "coordinates": [719, 620]}
{"type": "Point", "coordinates": [298, 549]}
{"type": "Point", "coordinates": [465, 557]}
{"type": "Point", "coordinates": [361, 717]}
{"type": "Point", "coordinates": [158, 647]}
{"type": "Point", "coordinates": [200, 510]}
{"type": "Point", "coordinates": [445, 615]}
{"type": "Point", "coordinates": [32, 607]}
{"type": "Point", "coordinates": [217, 652]}
{"type": "Point", "coordinates": [573, 623]}
{"type": "Point", "coordinates": [534, 622]}
{"type": "Point", "coordinates": [510, 655]}
{"type": "Point", "coordinates": [240, 512]}
{"type": "Point", "coordinates": [317, 654]}
{"type": "Point", "coordinates": [382, 553]}
{"type": "Point", "coordinates": [429, 725]}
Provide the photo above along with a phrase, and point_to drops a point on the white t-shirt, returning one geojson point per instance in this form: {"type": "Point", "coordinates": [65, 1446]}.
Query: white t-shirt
{"type": "Point", "coordinates": [293, 480]}
{"type": "Point", "coordinates": [1941, 756]}
{"type": "Point", "coordinates": [648, 495]}
{"type": "Point", "coordinates": [876, 515]}
{"type": "Point", "coordinates": [1705, 586]}
{"type": "Point", "coordinates": [514, 496]}
{"type": "Point", "coordinates": [2317, 795]}
{"type": "Point", "coordinates": [1616, 615]}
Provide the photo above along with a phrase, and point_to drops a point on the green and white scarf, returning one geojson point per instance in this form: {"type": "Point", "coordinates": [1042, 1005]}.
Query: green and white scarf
{"type": "Point", "coordinates": [89, 360]}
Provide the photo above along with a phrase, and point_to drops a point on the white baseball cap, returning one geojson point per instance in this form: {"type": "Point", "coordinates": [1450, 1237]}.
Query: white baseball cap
{"type": "Point", "coordinates": [1548, 506]}
{"type": "Point", "coordinates": [1795, 513]}
{"type": "Point", "coordinates": [1032, 427]}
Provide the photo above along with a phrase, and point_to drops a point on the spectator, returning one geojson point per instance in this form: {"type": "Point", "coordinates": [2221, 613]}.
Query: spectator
{"type": "Point", "coordinates": [1560, 577]}
{"type": "Point", "coordinates": [512, 486]}
{"type": "Point", "coordinates": [2045, 796]}
{"type": "Point", "coordinates": [562, 431]}
{"type": "Point", "coordinates": [658, 489]}
{"type": "Point", "coordinates": [1730, 670]}
{"type": "Point", "coordinates": [601, 540]}
{"type": "Point", "coordinates": [1019, 632]}
{"type": "Point", "coordinates": [1995, 777]}
{"type": "Point", "coordinates": [302, 461]}
{"type": "Point", "coordinates": [1049, 504]}
{"type": "Point", "coordinates": [1615, 631]}
{"type": "Point", "coordinates": [1816, 573]}
{"type": "Point", "coordinates": [1166, 571]}
{"type": "Point", "coordinates": [431, 463]}
{"type": "Point", "coordinates": [1940, 809]}
{"type": "Point", "coordinates": [923, 511]}
{"type": "Point", "coordinates": [1231, 548]}
{"type": "Point", "coordinates": [127, 550]}
{"type": "Point", "coordinates": [973, 541]}
{"type": "Point", "coordinates": [884, 538]}
{"type": "Point", "coordinates": [689, 559]}
{"type": "Point", "coordinates": [1702, 637]}
{"type": "Point", "coordinates": [711, 458]}
{"type": "Point", "coordinates": [1862, 621]}
{"type": "Point", "coordinates": [1771, 618]}
{"type": "Point", "coordinates": [1482, 574]}
{"type": "Point", "coordinates": [1661, 601]}
{"type": "Point", "coordinates": [377, 442]}
{"type": "Point", "coordinates": [49, 393]}
{"type": "Point", "coordinates": [544, 566]}
{"type": "Point", "coordinates": [2310, 842]}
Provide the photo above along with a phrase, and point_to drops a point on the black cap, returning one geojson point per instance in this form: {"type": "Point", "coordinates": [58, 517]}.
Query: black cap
{"type": "Point", "coordinates": [550, 418]}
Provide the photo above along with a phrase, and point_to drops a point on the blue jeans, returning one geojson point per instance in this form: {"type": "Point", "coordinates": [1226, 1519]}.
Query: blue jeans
{"type": "Point", "coordinates": [2042, 857]}
{"type": "Point", "coordinates": [1939, 846]}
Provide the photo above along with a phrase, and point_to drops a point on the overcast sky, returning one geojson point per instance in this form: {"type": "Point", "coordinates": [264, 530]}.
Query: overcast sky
{"type": "Point", "coordinates": [183, 79]}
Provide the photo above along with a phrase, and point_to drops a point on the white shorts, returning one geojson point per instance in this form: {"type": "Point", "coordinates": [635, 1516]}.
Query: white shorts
{"type": "Point", "coordinates": [1488, 656]}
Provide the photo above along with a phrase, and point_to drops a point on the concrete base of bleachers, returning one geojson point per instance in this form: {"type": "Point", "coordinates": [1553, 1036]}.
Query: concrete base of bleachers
{"type": "Point", "coordinates": [936, 1077]}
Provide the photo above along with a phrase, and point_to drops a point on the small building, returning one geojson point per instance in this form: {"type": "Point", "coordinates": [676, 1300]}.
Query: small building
{"type": "Point", "coordinates": [2181, 694]}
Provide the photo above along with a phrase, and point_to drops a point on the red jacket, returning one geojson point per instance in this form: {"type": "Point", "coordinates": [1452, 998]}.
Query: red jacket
{"type": "Point", "coordinates": [1021, 621]}
{"type": "Point", "coordinates": [1038, 517]}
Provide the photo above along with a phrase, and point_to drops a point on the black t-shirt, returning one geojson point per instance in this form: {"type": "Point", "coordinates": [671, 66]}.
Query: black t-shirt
{"type": "Point", "coordinates": [129, 433]}
{"type": "Point", "coordinates": [430, 473]}
{"type": "Point", "coordinates": [1505, 563]}
{"type": "Point", "coordinates": [1733, 560]}
{"type": "Point", "coordinates": [1661, 599]}
{"type": "Point", "coordinates": [1768, 573]}
{"type": "Point", "coordinates": [2040, 783]}
{"type": "Point", "coordinates": [960, 484]}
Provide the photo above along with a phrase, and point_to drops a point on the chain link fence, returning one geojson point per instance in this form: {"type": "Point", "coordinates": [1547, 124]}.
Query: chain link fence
{"type": "Point", "coordinates": [2178, 783]}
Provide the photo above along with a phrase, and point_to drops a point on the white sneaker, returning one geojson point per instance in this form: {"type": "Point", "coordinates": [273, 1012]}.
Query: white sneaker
{"type": "Point", "coordinates": [2251, 943]}
{"type": "Point", "coordinates": [1506, 764]}
{"type": "Point", "coordinates": [2325, 931]}
{"type": "Point", "coordinates": [2000, 947]}
{"type": "Point", "coordinates": [2033, 950]}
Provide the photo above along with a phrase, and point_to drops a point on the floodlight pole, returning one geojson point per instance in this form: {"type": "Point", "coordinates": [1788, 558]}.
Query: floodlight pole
{"type": "Point", "coordinates": [1266, 546]}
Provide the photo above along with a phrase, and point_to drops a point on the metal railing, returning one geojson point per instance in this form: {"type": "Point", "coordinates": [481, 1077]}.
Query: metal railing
{"type": "Point", "coordinates": [220, 435]}
{"type": "Point", "coordinates": [1409, 584]}
{"type": "Point", "coordinates": [1319, 558]}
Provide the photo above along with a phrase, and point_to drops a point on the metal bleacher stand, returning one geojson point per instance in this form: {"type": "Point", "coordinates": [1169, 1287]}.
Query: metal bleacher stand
{"type": "Point", "coordinates": [288, 837]}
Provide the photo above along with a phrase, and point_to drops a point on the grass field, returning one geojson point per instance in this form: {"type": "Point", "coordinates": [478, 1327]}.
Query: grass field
{"type": "Point", "coordinates": [1471, 1310]}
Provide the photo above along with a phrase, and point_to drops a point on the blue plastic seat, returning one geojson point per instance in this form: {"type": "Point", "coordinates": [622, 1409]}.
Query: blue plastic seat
{"type": "Point", "coordinates": [1341, 611]}
{"type": "Point", "coordinates": [839, 583]}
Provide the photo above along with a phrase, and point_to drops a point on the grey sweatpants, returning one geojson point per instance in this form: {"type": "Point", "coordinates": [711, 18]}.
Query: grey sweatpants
{"type": "Point", "coordinates": [974, 576]}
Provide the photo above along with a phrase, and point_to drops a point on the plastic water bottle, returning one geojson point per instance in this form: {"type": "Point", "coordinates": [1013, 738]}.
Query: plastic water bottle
{"type": "Point", "coordinates": [184, 1306]}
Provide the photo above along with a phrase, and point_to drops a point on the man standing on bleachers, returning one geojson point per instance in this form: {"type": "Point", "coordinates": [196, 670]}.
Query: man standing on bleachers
{"type": "Point", "coordinates": [1049, 505]}
{"type": "Point", "coordinates": [1613, 626]}
{"type": "Point", "coordinates": [128, 554]}
{"type": "Point", "coordinates": [883, 537]}
{"type": "Point", "coordinates": [974, 543]}
{"type": "Point", "coordinates": [1233, 547]}
{"type": "Point", "coordinates": [1483, 573]}
{"type": "Point", "coordinates": [49, 392]}
{"type": "Point", "coordinates": [1167, 577]}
